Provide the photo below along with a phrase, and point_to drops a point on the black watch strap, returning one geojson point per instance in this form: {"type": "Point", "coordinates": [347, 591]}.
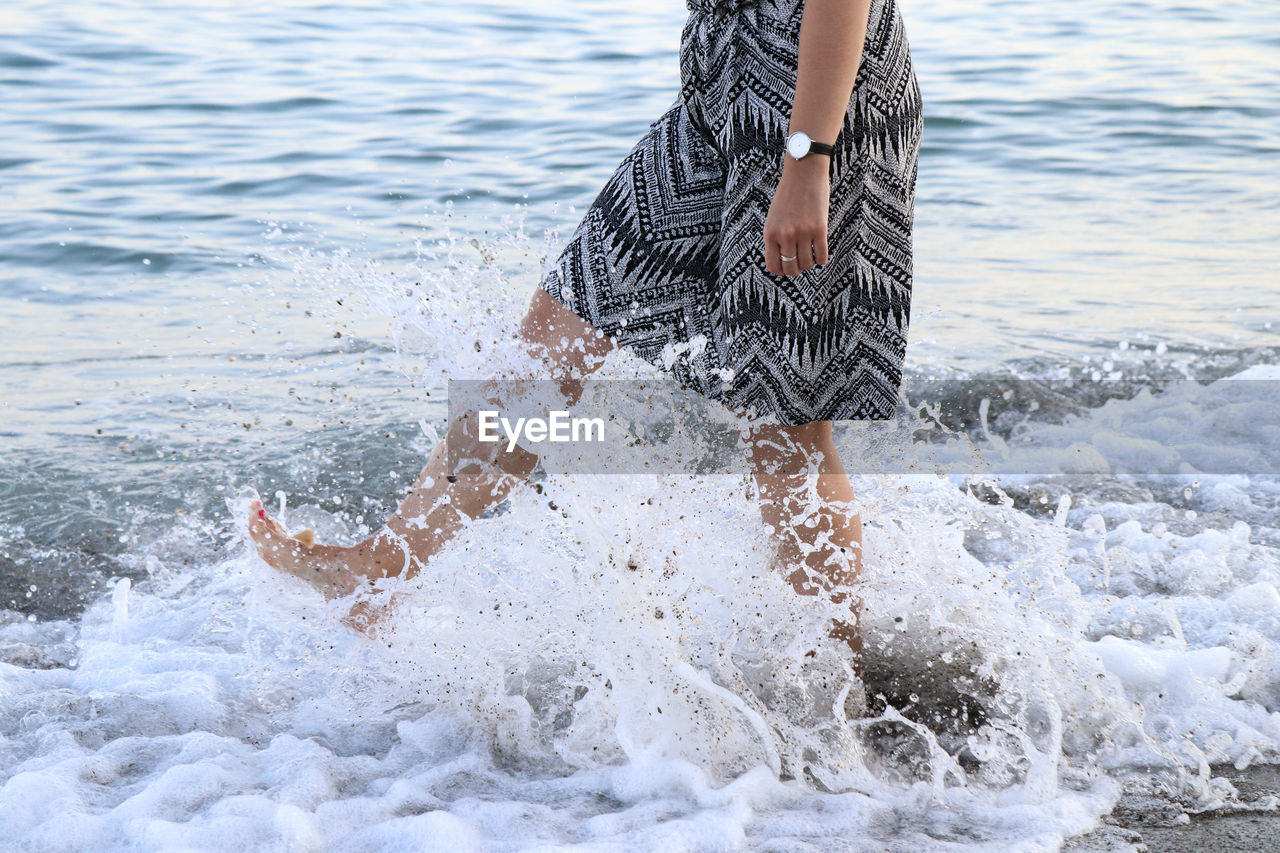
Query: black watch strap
{"type": "Point", "coordinates": [815, 147]}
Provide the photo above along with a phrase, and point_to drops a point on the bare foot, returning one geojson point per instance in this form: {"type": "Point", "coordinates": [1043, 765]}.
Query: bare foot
{"type": "Point", "coordinates": [364, 616]}
{"type": "Point", "coordinates": [324, 566]}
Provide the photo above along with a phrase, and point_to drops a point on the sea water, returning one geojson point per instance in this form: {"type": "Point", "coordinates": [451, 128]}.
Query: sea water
{"type": "Point", "coordinates": [243, 251]}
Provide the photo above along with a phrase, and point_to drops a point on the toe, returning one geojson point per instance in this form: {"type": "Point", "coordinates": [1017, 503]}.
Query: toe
{"type": "Point", "coordinates": [257, 517]}
{"type": "Point", "coordinates": [264, 529]}
{"type": "Point", "coordinates": [260, 521]}
{"type": "Point", "coordinates": [276, 528]}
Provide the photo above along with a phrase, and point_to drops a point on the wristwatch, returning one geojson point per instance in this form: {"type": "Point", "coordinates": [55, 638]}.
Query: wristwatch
{"type": "Point", "coordinates": [800, 145]}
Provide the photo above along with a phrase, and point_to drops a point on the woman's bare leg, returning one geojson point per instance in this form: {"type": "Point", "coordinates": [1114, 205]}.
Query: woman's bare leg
{"type": "Point", "coordinates": [447, 494]}
{"type": "Point", "coordinates": [819, 541]}
{"type": "Point", "coordinates": [828, 553]}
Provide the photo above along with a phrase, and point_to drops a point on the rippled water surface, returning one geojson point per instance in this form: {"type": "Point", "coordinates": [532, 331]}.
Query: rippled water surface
{"type": "Point", "coordinates": [1091, 173]}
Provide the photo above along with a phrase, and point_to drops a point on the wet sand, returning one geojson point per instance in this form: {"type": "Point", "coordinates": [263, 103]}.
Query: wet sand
{"type": "Point", "coordinates": [1143, 829]}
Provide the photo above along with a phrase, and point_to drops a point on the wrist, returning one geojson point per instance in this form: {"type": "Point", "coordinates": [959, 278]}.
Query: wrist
{"type": "Point", "coordinates": [802, 154]}
{"type": "Point", "coordinates": [811, 167]}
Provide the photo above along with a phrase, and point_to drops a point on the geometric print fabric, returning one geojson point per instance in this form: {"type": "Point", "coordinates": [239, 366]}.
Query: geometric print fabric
{"type": "Point", "coordinates": [669, 257]}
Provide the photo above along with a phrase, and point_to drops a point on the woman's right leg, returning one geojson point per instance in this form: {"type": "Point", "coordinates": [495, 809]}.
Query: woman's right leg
{"type": "Point", "coordinates": [805, 496]}
{"type": "Point", "coordinates": [462, 478]}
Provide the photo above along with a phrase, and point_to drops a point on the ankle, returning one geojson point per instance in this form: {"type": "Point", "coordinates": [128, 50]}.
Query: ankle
{"type": "Point", "coordinates": [383, 555]}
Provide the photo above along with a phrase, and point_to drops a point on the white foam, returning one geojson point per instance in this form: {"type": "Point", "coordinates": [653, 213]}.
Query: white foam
{"type": "Point", "coordinates": [625, 671]}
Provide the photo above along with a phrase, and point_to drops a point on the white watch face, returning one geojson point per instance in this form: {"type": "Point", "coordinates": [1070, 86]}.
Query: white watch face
{"type": "Point", "coordinates": [798, 144]}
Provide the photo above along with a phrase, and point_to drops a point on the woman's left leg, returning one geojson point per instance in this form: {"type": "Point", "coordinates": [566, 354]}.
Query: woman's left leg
{"type": "Point", "coordinates": [805, 496]}
{"type": "Point", "coordinates": [462, 478]}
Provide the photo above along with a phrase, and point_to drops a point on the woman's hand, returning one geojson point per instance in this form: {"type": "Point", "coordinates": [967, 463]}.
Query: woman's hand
{"type": "Point", "coordinates": [832, 35]}
{"type": "Point", "coordinates": [797, 222]}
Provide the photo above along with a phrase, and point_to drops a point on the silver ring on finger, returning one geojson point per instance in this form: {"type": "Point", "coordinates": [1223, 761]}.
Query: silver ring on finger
{"type": "Point", "coordinates": [785, 258]}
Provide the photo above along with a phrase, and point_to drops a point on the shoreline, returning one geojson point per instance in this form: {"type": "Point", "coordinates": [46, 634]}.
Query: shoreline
{"type": "Point", "coordinates": [1134, 827]}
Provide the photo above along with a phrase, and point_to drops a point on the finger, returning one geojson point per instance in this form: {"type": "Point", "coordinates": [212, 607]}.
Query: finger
{"type": "Point", "coordinates": [820, 247]}
{"type": "Point", "coordinates": [789, 267]}
{"type": "Point", "coordinates": [806, 255]}
{"type": "Point", "coordinates": [771, 262]}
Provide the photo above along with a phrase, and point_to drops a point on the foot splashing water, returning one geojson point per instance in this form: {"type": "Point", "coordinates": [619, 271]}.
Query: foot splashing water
{"type": "Point", "coordinates": [616, 662]}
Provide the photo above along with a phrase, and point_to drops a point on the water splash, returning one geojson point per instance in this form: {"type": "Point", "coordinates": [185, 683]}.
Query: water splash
{"type": "Point", "coordinates": [614, 659]}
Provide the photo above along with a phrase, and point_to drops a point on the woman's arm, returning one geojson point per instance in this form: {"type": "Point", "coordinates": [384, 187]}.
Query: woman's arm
{"type": "Point", "coordinates": [832, 33]}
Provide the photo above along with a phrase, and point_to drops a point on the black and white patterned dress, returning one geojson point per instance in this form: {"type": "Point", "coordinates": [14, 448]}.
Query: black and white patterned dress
{"type": "Point", "coordinates": [669, 258]}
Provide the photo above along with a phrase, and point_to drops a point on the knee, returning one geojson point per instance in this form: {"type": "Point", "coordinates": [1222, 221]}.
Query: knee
{"type": "Point", "coordinates": [566, 337]}
{"type": "Point", "coordinates": [789, 438]}
{"type": "Point", "coordinates": [788, 451]}
{"type": "Point", "coordinates": [814, 434]}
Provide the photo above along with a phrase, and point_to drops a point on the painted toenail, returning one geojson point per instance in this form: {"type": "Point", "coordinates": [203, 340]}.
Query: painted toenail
{"type": "Point", "coordinates": [262, 513]}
